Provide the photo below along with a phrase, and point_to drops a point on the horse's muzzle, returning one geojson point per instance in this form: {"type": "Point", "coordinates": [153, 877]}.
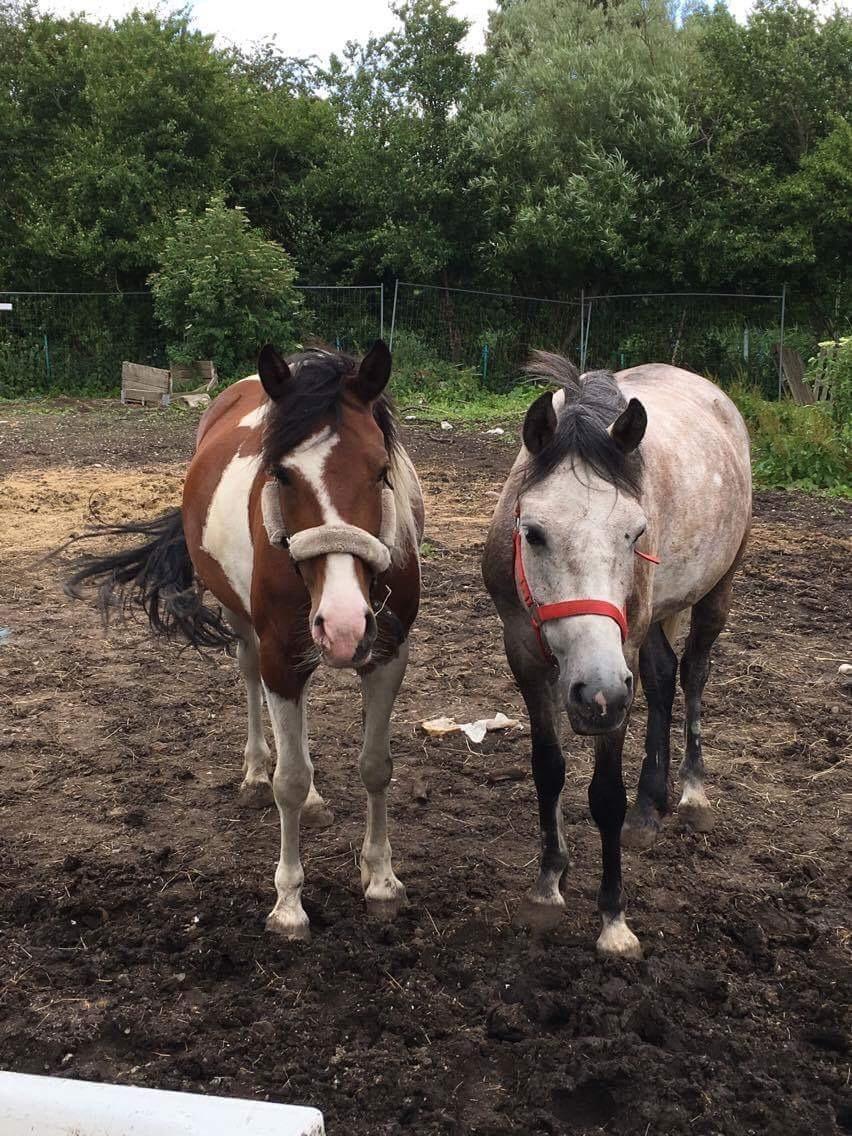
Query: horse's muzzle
{"type": "Point", "coordinates": [341, 647]}
{"type": "Point", "coordinates": [595, 708]}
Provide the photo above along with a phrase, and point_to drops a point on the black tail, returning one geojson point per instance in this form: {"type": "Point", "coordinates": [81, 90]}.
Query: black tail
{"type": "Point", "coordinates": [156, 576]}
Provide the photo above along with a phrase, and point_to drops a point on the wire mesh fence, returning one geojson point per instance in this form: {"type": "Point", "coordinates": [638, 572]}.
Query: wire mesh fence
{"type": "Point", "coordinates": [346, 316]}
{"type": "Point", "coordinates": [722, 335]}
{"type": "Point", "coordinates": [75, 342]}
{"type": "Point", "coordinates": [728, 337]}
{"type": "Point", "coordinates": [490, 332]}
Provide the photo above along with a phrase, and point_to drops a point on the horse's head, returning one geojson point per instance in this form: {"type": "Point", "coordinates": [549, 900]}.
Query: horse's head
{"type": "Point", "coordinates": [328, 444]}
{"type": "Point", "coordinates": [579, 522]}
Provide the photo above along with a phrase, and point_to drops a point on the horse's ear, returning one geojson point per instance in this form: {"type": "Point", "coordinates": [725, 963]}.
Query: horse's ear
{"type": "Point", "coordinates": [628, 430]}
{"type": "Point", "coordinates": [274, 372]}
{"type": "Point", "coordinates": [373, 374]}
{"type": "Point", "coordinates": [540, 423]}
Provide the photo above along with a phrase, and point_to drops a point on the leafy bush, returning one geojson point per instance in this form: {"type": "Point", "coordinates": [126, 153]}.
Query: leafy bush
{"type": "Point", "coordinates": [223, 290]}
{"type": "Point", "coordinates": [834, 364]}
{"type": "Point", "coordinates": [796, 447]}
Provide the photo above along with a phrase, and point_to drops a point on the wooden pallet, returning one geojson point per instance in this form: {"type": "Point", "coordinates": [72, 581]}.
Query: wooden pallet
{"type": "Point", "coordinates": [145, 386]}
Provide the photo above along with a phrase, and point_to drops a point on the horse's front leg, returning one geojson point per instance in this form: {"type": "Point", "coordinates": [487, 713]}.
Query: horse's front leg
{"type": "Point", "coordinates": [379, 687]}
{"type": "Point", "coordinates": [291, 785]}
{"type": "Point", "coordinates": [608, 804]}
{"type": "Point", "coordinates": [544, 904]}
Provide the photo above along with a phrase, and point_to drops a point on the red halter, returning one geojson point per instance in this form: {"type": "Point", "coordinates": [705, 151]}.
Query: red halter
{"type": "Point", "coordinates": [543, 613]}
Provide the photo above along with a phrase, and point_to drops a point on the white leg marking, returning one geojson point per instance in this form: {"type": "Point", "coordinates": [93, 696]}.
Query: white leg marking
{"type": "Point", "coordinates": [290, 785]}
{"type": "Point", "coordinates": [617, 939]}
{"type": "Point", "coordinates": [694, 795]}
{"type": "Point", "coordinates": [226, 534]}
{"type": "Point", "coordinates": [379, 690]}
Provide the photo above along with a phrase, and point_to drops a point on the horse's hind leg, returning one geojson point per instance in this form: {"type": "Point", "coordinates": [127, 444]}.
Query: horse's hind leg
{"type": "Point", "coordinates": [658, 669]}
{"type": "Point", "coordinates": [256, 788]}
{"type": "Point", "coordinates": [708, 618]}
{"type": "Point", "coordinates": [383, 892]}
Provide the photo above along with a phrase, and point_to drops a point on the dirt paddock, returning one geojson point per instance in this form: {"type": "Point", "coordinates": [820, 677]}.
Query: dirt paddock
{"type": "Point", "coordinates": [133, 890]}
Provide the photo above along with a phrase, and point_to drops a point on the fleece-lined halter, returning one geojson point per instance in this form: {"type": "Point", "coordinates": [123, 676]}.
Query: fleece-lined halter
{"type": "Point", "coordinates": [544, 613]}
{"type": "Point", "coordinates": [322, 540]}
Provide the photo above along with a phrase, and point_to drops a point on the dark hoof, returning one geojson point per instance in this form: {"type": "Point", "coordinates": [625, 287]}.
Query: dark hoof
{"type": "Point", "coordinates": [539, 916]}
{"type": "Point", "coordinates": [700, 818]}
{"type": "Point", "coordinates": [255, 795]}
{"type": "Point", "coordinates": [318, 816]}
{"type": "Point", "coordinates": [640, 830]}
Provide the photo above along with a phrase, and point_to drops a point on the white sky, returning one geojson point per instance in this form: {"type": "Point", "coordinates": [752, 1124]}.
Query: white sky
{"type": "Point", "coordinates": [301, 27]}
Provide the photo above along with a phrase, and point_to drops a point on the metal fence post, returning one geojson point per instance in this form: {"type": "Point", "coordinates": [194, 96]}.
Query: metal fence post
{"type": "Point", "coordinates": [382, 310]}
{"type": "Point", "coordinates": [582, 330]}
{"type": "Point", "coordinates": [393, 313]}
{"type": "Point", "coordinates": [781, 343]}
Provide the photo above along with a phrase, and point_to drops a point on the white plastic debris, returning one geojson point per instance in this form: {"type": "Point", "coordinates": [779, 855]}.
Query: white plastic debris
{"type": "Point", "coordinates": [55, 1106]}
{"type": "Point", "coordinates": [476, 731]}
{"type": "Point", "coordinates": [845, 672]}
{"type": "Point", "coordinates": [496, 430]}
{"type": "Point", "coordinates": [446, 425]}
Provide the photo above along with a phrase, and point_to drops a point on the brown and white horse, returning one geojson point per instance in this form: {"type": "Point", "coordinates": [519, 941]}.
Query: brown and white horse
{"type": "Point", "coordinates": [628, 505]}
{"type": "Point", "coordinates": [303, 515]}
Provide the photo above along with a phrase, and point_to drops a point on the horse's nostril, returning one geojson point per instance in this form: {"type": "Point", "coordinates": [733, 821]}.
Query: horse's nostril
{"type": "Point", "coordinates": [575, 694]}
{"type": "Point", "coordinates": [628, 682]}
{"type": "Point", "coordinates": [319, 622]}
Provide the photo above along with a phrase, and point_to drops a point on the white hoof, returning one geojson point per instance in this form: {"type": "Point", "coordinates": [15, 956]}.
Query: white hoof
{"type": "Point", "coordinates": [695, 810]}
{"type": "Point", "coordinates": [256, 794]}
{"type": "Point", "coordinates": [617, 940]}
{"type": "Point", "coordinates": [289, 924]}
{"type": "Point", "coordinates": [385, 898]}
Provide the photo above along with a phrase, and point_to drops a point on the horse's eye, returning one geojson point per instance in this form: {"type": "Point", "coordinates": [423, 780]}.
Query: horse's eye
{"type": "Point", "coordinates": [534, 535]}
{"type": "Point", "coordinates": [280, 475]}
{"type": "Point", "coordinates": [384, 476]}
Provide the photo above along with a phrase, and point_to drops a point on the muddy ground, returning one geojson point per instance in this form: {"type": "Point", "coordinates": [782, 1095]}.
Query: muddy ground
{"type": "Point", "coordinates": [133, 890]}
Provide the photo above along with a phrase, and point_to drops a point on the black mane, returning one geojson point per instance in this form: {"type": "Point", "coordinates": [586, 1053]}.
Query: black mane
{"type": "Point", "coordinates": [314, 394]}
{"type": "Point", "coordinates": [592, 403]}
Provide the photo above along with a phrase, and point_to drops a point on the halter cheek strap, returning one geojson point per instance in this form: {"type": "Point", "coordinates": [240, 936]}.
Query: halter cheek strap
{"type": "Point", "coordinates": [322, 540]}
{"type": "Point", "coordinates": [564, 609]}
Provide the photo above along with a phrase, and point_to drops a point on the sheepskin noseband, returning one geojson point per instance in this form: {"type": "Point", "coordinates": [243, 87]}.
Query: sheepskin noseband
{"type": "Point", "coordinates": [325, 539]}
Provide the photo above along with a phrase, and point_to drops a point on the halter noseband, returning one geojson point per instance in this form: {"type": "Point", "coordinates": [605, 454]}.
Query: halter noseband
{"type": "Point", "coordinates": [322, 540]}
{"type": "Point", "coordinates": [544, 613]}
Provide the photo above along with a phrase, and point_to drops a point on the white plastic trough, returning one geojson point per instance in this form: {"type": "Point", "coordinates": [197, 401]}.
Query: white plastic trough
{"type": "Point", "coordinates": [54, 1106]}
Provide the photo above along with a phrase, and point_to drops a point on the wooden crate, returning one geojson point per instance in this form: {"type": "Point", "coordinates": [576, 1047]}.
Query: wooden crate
{"type": "Point", "coordinates": [145, 386]}
{"type": "Point", "coordinates": [194, 377]}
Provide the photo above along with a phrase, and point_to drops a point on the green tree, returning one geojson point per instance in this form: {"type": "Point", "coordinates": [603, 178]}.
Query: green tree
{"type": "Point", "coordinates": [222, 290]}
{"type": "Point", "coordinates": [395, 184]}
{"type": "Point", "coordinates": [580, 141]}
{"type": "Point", "coordinates": [765, 97]}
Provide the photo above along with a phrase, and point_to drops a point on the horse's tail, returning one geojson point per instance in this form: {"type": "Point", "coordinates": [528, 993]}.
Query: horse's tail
{"type": "Point", "coordinates": [156, 576]}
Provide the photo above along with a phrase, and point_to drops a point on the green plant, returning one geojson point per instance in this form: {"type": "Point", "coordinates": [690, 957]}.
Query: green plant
{"type": "Point", "coordinates": [834, 365]}
{"type": "Point", "coordinates": [222, 289]}
{"type": "Point", "coordinates": [796, 447]}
